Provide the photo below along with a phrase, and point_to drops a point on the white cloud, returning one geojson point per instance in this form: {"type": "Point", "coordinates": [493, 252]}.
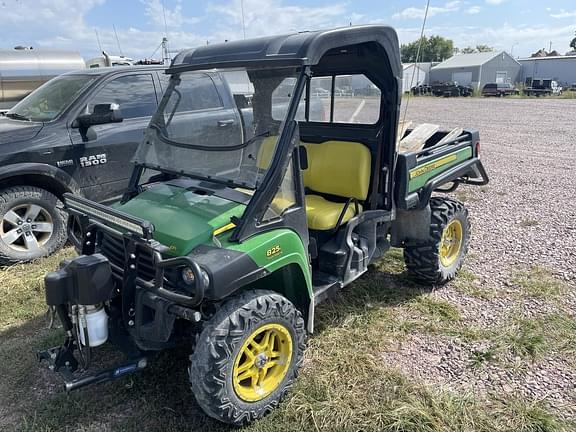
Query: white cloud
{"type": "Point", "coordinates": [495, 2]}
{"type": "Point", "coordinates": [174, 16]}
{"type": "Point", "coordinates": [473, 10]}
{"type": "Point", "coordinates": [419, 13]}
{"type": "Point", "coordinates": [563, 14]}
{"type": "Point", "coordinates": [264, 17]}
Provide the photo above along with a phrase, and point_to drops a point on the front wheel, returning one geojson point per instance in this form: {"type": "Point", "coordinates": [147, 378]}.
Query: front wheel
{"type": "Point", "coordinates": [437, 260]}
{"type": "Point", "coordinates": [33, 224]}
{"type": "Point", "coordinates": [247, 357]}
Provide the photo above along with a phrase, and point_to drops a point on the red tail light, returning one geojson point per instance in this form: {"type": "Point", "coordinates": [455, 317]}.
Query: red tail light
{"type": "Point", "coordinates": [477, 148]}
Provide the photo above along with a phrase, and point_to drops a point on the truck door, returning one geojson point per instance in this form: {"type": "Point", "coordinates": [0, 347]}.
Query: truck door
{"type": "Point", "coordinates": [105, 151]}
{"type": "Point", "coordinates": [203, 113]}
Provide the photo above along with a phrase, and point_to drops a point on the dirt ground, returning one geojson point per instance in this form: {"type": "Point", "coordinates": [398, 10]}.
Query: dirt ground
{"type": "Point", "coordinates": [492, 351]}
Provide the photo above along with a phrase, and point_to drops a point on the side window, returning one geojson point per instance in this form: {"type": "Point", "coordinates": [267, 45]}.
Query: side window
{"type": "Point", "coordinates": [134, 94]}
{"type": "Point", "coordinates": [356, 100]}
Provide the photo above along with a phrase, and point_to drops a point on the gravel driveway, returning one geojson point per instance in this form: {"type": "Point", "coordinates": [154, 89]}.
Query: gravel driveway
{"type": "Point", "coordinates": [527, 215]}
{"type": "Point", "coordinates": [524, 219]}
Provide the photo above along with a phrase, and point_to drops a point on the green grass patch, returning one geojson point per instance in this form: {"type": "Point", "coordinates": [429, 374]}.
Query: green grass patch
{"type": "Point", "coordinates": [467, 283]}
{"type": "Point", "coordinates": [22, 288]}
{"type": "Point", "coordinates": [539, 282]}
{"type": "Point", "coordinates": [437, 310]}
{"type": "Point", "coordinates": [392, 262]}
{"type": "Point", "coordinates": [534, 338]}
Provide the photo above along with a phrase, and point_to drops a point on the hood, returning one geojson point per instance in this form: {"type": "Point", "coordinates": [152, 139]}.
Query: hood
{"type": "Point", "coordinates": [182, 219]}
{"type": "Point", "coordinates": [17, 130]}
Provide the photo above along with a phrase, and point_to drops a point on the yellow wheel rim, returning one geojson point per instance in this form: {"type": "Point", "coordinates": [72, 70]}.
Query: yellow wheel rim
{"type": "Point", "coordinates": [451, 243]}
{"type": "Point", "coordinates": [262, 362]}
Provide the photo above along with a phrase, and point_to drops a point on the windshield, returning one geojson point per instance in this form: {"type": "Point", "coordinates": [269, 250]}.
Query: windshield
{"type": "Point", "coordinates": [49, 100]}
{"type": "Point", "coordinates": [221, 125]}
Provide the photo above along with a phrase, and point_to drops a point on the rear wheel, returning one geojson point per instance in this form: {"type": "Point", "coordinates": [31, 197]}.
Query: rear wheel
{"type": "Point", "coordinates": [438, 260]}
{"type": "Point", "coordinates": [247, 357]}
{"type": "Point", "coordinates": [32, 224]}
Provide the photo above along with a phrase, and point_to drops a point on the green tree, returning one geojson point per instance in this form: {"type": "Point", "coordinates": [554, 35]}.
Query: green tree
{"type": "Point", "coordinates": [573, 43]}
{"type": "Point", "coordinates": [484, 48]}
{"type": "Point", "coordinates": [434, 48]}
{"type": "Point", "coordinates": [478, 49]}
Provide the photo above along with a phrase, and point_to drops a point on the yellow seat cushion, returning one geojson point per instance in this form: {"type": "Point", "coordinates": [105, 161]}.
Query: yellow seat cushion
{"type": "Point", "coordinates": [340, 168]}
{"type": "Point", "coordinates": [323, 215]}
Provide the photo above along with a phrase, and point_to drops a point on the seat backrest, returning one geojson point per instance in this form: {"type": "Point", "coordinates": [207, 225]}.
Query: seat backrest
{"type": "Point", "coordinates": [340, 168]}
{"type": "Point", "coordinates": [266, 151]}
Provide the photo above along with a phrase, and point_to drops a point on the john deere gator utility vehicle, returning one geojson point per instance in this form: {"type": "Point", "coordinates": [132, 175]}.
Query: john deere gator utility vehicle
{"type": "Point", "coordinates": [239, 220]}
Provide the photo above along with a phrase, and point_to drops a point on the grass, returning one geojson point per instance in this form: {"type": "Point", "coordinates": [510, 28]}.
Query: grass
{"type": "Point", "coordinates": [345, 384]}
{"type": "Point", "coordinates": [467, 283]}
{"type": "Point", "coordinates": [538, 282]}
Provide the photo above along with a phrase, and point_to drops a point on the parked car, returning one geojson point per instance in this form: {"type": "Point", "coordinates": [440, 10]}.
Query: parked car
{"type": "Point", "coordinates": [451, 89]}
{"type": "Point", "coordinates": [76, 133]}
{"type": "Point", "coordinates": [543, 87]}
{"type": "Point", "coordinates": [422, 89]}
{"type": "Point", "coordinates": [499, 89]}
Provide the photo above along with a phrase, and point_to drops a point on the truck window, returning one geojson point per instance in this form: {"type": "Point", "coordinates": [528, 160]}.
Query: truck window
{"type": "Point", "coordinates": [198, 93]}
{"type": "Point", "coordinates": [135, 94]}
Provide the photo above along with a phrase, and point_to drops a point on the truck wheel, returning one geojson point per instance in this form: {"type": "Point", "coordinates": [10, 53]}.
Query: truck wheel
{"type": "Point", "coordinates": [247, 357]}
{"type": "Point", "coordinates": [33, 224]}
{"type": "Point", "coordinates": [438, 260]}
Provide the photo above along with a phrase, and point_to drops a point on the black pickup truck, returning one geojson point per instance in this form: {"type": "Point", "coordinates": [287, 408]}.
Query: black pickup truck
{"type": "Point", "coordinates": [78, 133]}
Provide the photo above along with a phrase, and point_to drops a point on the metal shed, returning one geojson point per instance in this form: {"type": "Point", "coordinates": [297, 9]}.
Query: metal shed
{"type": "Point", "coordinates": [559, 68]}
{"type": "Point", "coordinates": [477, 69]}
{"type": "Point", "coordinates": [412, 75]}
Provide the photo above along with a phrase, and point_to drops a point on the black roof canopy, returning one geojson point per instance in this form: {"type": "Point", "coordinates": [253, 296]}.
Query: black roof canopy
{"type": "Point", "coordinates": [305, 48]}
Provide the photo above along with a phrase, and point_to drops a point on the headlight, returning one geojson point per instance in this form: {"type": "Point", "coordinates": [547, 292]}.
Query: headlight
{"type": "Point", "coordinates": [188, 276]}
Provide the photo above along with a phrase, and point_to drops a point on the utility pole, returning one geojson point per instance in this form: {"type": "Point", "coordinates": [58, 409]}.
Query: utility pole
{"type": "Point", "coordinates": [243, 22]}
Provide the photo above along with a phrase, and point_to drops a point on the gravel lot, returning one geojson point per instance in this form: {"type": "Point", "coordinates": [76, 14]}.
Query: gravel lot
{"type": "Point", "coordinates": [525, 218]}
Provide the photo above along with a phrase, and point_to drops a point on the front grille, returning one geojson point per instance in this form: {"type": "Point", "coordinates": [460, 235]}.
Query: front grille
{"type": "Point", "coordinates": [112, 247]}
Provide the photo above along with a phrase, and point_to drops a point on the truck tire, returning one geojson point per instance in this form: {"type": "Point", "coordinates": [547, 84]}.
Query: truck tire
{"type": "Point", "coordinates": [32, 224]}
{"type": "Point", "coordinates": [438, 260]}
{"type": "Point", "coordinates": [247, 357]}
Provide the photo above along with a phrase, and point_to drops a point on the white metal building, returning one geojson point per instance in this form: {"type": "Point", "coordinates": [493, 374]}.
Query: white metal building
{"type": "Point", "coordinates": [560, 68]}
{"type": "Point", "coordinates": [413, 75]}
{"type": "Point", "coordinates": [477, 69]}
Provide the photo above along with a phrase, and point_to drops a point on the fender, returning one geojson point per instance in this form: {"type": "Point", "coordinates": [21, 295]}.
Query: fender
{"type": "Point", "coordinates": [60, 178]}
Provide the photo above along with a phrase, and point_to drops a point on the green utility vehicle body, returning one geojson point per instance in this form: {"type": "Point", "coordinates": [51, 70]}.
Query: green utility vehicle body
{"type": "Point", "coordinates": [269, 224]}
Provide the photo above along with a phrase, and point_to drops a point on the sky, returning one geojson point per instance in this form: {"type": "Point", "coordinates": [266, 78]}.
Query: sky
{"type": "Point", "coordinates": [520, 26]}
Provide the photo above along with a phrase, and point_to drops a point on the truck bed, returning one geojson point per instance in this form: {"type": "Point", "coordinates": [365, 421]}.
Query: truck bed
{"type": "Point", "coordinates": [440, 162]}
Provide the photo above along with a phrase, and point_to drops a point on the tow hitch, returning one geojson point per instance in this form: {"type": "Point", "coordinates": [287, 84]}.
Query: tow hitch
{"type": "Point", "coordinates": [61, 360]}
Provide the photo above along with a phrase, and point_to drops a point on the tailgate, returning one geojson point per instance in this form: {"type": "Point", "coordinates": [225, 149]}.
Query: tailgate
{"type": "Point", "coordinates": [418, 174]}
